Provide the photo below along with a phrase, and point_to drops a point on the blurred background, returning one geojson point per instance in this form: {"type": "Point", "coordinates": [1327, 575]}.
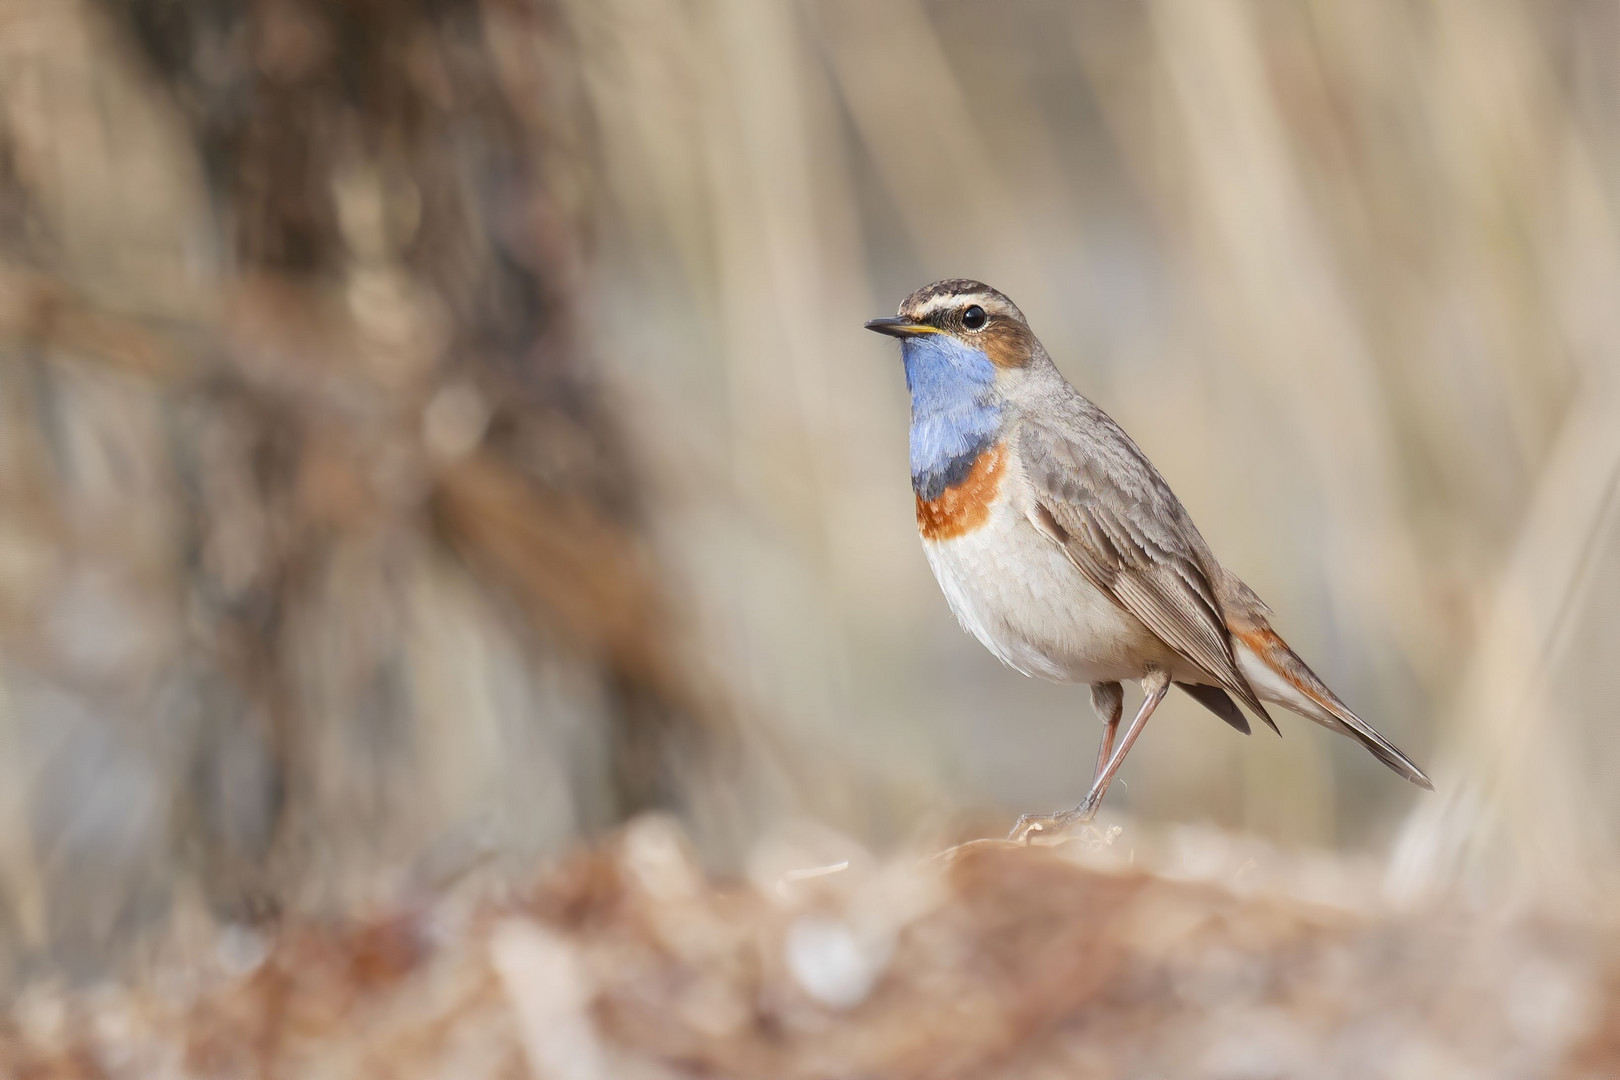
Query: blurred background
{"type": "Point", "coordinates": [434, 430]}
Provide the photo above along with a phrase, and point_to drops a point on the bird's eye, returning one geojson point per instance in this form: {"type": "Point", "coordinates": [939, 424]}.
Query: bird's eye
{"type": "Point", "coordinates": [974, 318]}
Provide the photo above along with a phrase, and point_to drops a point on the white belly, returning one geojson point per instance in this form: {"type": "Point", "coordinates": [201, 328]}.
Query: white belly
{"type": "Point", "coordinates": [1016, 591]}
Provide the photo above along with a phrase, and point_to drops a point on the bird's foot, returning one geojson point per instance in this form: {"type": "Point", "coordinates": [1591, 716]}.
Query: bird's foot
{"type": "Point", "coordinates": [1029, 826]}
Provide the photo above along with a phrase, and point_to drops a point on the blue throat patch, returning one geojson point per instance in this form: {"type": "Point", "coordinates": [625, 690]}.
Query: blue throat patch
{"type": "Point", "coordinates": [954, 412]}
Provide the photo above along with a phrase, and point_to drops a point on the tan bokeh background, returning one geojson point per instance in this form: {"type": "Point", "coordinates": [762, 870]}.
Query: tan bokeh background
{"type": "Point", "coordinates": [431, 433]}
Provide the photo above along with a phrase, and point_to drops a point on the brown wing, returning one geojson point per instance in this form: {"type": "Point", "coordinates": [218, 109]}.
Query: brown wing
{"type": "Point", "coordinates": [1128, 534]}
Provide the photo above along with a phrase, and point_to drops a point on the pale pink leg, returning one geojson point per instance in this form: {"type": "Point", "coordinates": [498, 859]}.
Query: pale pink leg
{"type": "Point", "coordinates": [1155, 685]}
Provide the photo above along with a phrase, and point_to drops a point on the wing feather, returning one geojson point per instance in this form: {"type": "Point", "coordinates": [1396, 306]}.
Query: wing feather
{"type": "Point", "coordinates": [1124, 529]}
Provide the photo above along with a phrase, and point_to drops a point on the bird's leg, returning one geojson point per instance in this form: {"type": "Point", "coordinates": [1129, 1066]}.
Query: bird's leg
{"type": "Point", "coordinates": [1155, 684]}
{"type": "Point", "coordinates": [1108, 699]}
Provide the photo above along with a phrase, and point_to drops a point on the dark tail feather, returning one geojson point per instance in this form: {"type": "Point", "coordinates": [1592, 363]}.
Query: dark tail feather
{"type": "Point", "coordinates": [1351, 724]}
{"type": "Point", "coordinates": [1221, 704]}
{"type": "Point", "coordinates": [1275, 653]}
{"type": "Point", "coordinates": [1216, 701]}
{"type": "Point", "coordinates": [1384, 750]}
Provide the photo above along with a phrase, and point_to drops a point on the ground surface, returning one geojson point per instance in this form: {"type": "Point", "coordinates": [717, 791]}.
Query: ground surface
{"type": "Point", "coordinates": [984, 961]}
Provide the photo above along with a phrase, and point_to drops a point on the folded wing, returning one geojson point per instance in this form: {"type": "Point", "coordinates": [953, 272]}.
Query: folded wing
{"type": "Point", "coordinates": [1123, 528]}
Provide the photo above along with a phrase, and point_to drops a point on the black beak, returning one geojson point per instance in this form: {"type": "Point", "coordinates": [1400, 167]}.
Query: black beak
{"type": "Point", "coordinates": [899, 326]}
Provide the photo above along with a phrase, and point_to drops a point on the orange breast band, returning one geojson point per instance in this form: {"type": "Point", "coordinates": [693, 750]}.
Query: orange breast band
{"type": "Point", "coordinates": [966, 506]}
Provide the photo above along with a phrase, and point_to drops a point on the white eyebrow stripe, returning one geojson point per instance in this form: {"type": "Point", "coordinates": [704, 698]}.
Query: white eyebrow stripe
{"type": "Point", "coordinates": [952, 300]}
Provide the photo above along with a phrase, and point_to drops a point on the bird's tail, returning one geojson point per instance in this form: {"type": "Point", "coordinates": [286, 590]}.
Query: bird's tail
{"type": "Point", "coordinates": [1277, 674]}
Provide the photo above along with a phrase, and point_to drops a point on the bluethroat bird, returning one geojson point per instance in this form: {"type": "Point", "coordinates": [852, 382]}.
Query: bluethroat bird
{"type": "Point", "coordinates": [1060, 547]}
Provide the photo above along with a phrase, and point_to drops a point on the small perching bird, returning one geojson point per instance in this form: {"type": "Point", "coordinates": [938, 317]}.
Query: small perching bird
{"type": "Point", "coordinates": [1060, 547]}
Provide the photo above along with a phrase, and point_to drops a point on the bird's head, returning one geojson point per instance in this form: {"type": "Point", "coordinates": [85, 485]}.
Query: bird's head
{"type": "Point", "coordinates": [966, 348]}
{"type": "Point", "coordinates": [961, 323]}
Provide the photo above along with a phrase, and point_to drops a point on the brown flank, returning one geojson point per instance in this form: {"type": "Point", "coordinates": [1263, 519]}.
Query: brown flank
{"type": "Point", "coordinates": [961, 509]}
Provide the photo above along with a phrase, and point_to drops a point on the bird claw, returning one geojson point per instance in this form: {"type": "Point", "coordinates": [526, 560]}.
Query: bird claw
{"type": "Point", "coordinates": [1028, 826]}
